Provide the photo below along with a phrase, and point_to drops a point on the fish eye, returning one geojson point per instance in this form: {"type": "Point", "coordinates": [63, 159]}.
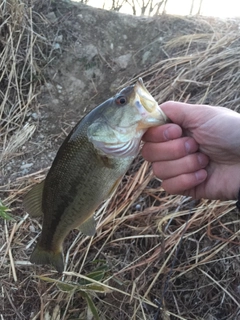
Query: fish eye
{"type": "Point", "coordinates": [121, 100]}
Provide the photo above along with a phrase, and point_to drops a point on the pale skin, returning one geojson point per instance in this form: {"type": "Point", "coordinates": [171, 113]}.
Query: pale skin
{"type": "Point", "coordinates": [198, 154]}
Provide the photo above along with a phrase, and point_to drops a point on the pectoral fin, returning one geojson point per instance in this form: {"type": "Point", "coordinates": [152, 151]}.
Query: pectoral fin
{"type": "Point", "coordinates": [88, 227]}
{"type": "Point", "coordinates": [32, 202]}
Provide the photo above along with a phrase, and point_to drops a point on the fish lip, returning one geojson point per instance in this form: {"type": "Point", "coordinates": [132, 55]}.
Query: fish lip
{"type": "Point", "coordinates": [144, 96]}
{"type": "Point", "coordinates": [148, 107]}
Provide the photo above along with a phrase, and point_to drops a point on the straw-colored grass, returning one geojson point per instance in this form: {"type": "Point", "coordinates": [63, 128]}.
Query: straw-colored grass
{"type": "Point", "coordinates": [155, 256]}
{"type": "Point", "coordinates": [21, 56]}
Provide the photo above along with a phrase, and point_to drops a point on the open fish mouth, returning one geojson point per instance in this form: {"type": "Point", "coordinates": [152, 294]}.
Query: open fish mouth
{"type": "Point", "coordinates": [151, 113]}
{"type": "Point", "coordinates": [146, 99]}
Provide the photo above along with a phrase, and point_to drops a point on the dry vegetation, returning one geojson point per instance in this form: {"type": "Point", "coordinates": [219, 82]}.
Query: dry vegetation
{"type": "Point", "coordinates": [155, 256]}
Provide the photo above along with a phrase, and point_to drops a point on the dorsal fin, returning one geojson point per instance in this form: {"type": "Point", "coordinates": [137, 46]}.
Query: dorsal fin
{"type": "Point", "coordinates": [32, 202]}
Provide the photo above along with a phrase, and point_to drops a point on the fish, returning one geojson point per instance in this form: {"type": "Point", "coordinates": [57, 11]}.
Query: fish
{"type": "Point", "coordinates": [88, 167]}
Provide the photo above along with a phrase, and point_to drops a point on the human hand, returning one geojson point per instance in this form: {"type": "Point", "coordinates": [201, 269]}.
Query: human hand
{"type": "Point", "coordinates": [198, 154]}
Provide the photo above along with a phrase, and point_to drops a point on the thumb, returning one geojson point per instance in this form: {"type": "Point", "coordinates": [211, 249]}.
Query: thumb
{"type": "Point", "coordinates": [184, 114]}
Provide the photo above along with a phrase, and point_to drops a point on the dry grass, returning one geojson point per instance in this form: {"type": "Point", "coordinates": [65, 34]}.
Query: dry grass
{"type": "Point", "coordinates": [22, 54]}
{"type": "Point", "coordinates": [200, 68]}
{"type": "Point", "coordinates": [155, 256]}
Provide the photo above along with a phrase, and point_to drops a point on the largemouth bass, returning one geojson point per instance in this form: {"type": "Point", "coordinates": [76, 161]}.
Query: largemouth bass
{"type": "Point", "coordinates": [88, 167]}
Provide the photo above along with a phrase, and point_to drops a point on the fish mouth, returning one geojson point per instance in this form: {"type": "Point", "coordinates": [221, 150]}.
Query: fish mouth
{"type": "Point", "coordinates": [146, 99]}
{"type": "Point", "coordinates": [152, 114]}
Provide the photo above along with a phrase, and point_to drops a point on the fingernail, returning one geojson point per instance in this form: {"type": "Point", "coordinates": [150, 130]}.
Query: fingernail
{"type": "Point", "coordinates": [201, 175]}
{"type": "Point", "coordinates": [187, 146]}
{"type": "Point", "coordinates": [166, 134]}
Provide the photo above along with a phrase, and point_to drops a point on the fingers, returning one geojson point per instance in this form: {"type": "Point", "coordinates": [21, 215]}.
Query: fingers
{"type": "Point", "coordinates": [163, 133]}
{"type": "Point", "coordinates": [189, 164]}
{"type": "Point", "coordinates": [170, 150]}
{"type": "Point", "coordinates": [175, 158]}
{"type": "Point", "coordinates": [177, 161]}
{"type": "Point", "coordinates": [184, 182]}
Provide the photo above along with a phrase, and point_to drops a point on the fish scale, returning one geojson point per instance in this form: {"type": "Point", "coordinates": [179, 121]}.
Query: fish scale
{"type": "Point", "coordinates": [88, 167]}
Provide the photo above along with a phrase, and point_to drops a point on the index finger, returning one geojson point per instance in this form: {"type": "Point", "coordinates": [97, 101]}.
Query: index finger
{"type": "Point", "coordinates": [169, 131]}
